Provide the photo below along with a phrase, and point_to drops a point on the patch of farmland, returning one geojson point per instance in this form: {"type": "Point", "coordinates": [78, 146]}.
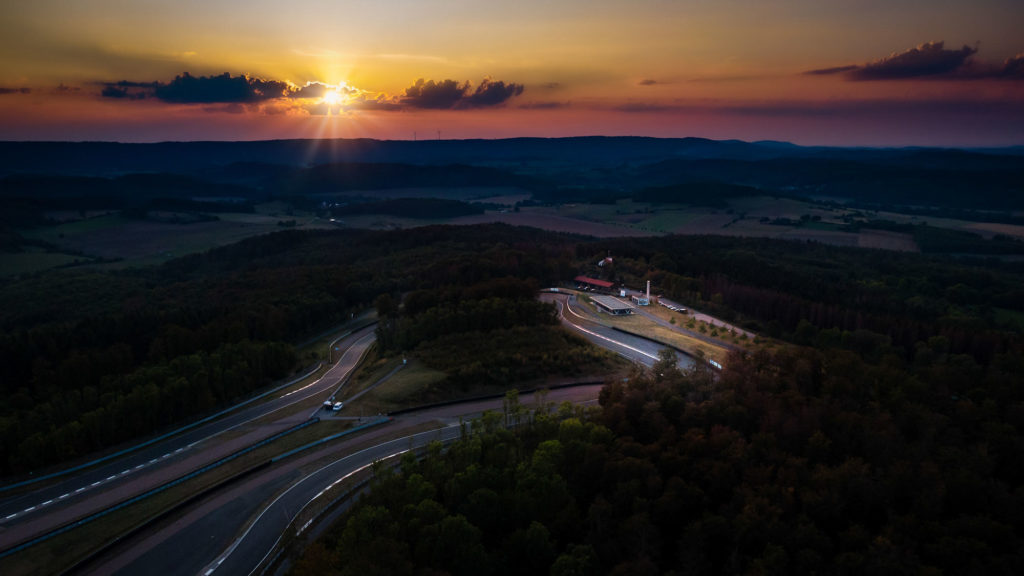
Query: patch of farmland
{"type": "Point", "coordinates": [554, 223]}
{"type": "Point", "coordinates": [887, 240]}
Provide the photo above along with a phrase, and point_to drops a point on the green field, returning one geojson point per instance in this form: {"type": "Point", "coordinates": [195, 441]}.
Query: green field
{"type": "Point", "coordinates": [749, 216]}
{"type": "Point", "coordinates": [18, 263]}
{"type": "Point", "coordinates": [142, 242]}
{"type": "Point", "coordinates": [109, 236]}
{"type": "Point", "coordinates": [401, 390]}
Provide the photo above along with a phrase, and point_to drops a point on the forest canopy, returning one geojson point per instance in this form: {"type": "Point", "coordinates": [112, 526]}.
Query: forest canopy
{"type": "Point", "coordinates": [784, 464]}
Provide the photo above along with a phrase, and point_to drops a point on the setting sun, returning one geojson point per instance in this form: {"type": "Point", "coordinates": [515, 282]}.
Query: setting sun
{"type": "Point", "coordinates": [333, 98]}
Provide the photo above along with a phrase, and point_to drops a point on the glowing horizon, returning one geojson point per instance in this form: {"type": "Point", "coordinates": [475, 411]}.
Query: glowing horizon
{"type": "Point", "coordinates": [785, 70]}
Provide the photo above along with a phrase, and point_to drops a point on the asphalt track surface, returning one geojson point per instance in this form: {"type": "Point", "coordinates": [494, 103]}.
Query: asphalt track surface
{"type": "Point", "coordinates": [30, 514]}
{"type": "Point", "coordinates": [232, 530]}
{"type": "Point", "coordinates": [216, 536]}
{"type": "Point", "coordinates": [574, 316]}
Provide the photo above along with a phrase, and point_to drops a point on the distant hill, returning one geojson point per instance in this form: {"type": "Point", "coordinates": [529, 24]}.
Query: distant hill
{"type": "Point", "coordinates": [127, 186]}
{"type": "Point", "coordinates": [108, 158]}
{"type": "Point", "coordinates": [556, 169]}
{"type": "Point", "coordinates": [951, 179]}
{"type": "Point", "coordinates": [363, 176]}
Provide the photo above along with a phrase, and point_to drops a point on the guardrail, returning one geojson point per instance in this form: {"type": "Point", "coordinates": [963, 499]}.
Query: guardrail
{"type": "Point", "coordinates": [292, 532]}
{"type": "Point", "coordinates": [649, 339]}
{"type": "Point", "coordinates": [711, 363]}
{"type": "Point", "coordinates": [326, 439]}
{"type": "Point", "coordinates": [330, 345]}
{"type": "Point", "coordinates": [82, 563]}
{"type": "Point", "coordinates": [234, 478]}
{"type": "Point", "coordinates": [99, 552]}
{"type": "Point", "coordinates": [346, 379]}
{"type": "Point", "coordinates": [161, 488]}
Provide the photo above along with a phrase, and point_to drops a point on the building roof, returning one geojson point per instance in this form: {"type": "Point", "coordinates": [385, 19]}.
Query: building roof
{"type": "Point", "coordinates": [593, 281]}
{"type": "Point", "coordinates": [611, 303]}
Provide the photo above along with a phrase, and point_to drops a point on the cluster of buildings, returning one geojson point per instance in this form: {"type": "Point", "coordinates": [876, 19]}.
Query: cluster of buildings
{"type": "Point", "coordinates": [602, 297]}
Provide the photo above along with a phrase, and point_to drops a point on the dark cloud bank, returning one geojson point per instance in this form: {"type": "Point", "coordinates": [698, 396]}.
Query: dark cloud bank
{"type": "Point", "coordinates": [227, 89]}
{"type": "Point", "coordinates": [449, 94]}
{"type": "Point", "coordinates": [188, 89]}
{"type": "Point", "coordinates": [929, 60]}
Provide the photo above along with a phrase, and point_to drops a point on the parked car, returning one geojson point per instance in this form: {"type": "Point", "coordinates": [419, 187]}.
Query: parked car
{"type": "Point", "coordinates": [338, 406]}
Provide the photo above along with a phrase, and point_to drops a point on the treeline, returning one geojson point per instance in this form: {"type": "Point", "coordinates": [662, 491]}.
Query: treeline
{"type": "Point", "coordinates": [98, 359]}
{"type": "Point", "coordinates": [935, 240]}
{"type": "Point", "coordinates": [453, 309]}
{"type": "Point", "coordinates": [684, 190]}
{"type": "Point", "coordinates": [26, 199]}
{"type": "Point", "coordinates": [805, 462]}
{"type": "Point", "coordinates": [64, 332]}
{"type": "Point", "coordinates": [819, 462]}
{"type": "Point", "coordinates": [190, 205]}
{"type": "Point", "coordinates": [892, 304]}
{"type": "Point", "coordinates": [714, 194]}
{"type": "Point", "coordinates": [494, 503]}
{"type": "Point", "coordinates": [509, 356]}
{"type": "Point", "coordinates": [48, 189]}
{"type": "Point", "coordinates": [428, 208]}
{"type": "Point", "coordinates": [89, 418]}
{"type": "Point", "coordinates": [491, 332]}
{"type": "Point", "coordinates": [336, 177]}
{"type": "Point", "coordinates": [466, 316]}
{"type": "Point", "coordinates": [938, 240]}
{"type": "Point", "coordinates": [98, 342]}
{"type": "Point", "coordinates": [981, 214]}
{"type": "Point", "coordinates": [952, 180]}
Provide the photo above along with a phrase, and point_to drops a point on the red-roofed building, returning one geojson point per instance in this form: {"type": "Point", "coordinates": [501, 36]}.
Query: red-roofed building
{"type": "Point", "coordinates": [594, 283]}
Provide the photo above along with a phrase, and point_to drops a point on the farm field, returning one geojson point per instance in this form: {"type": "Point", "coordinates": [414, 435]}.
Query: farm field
{"type": "Point", "coordinates": [546, 220]}
{"type": "Point", "coordinates": [465, 194]}
{"type": "Point", "coordinates": [15, 264]}
{"type": "Point", "coordinates": [746, 217]}
{"type": "Point", "coordinates": [887, 240]}
{"type": "Point", "coordinates": [110, 236]}
{"type": "Point", "coordinates": [985, 229]}
{"type": "Point", "coordinates": [401, 390]}
{"type": "Point", "coordinates": [692, 345]}
{"type": "Point", "coordinates": [139, 242]}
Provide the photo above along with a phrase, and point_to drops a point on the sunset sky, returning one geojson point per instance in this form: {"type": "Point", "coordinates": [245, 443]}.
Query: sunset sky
{"type": "Point", "coordinates": [837, 72]}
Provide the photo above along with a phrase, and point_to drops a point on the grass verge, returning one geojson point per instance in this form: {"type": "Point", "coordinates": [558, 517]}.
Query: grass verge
{"type": "Point", "coordinates": [401, 390]}
{"type": "Point", "coordinates": [692, 345]}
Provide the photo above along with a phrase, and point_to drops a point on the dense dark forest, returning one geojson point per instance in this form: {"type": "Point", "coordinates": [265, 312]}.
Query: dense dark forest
{"type": "Point", "coordinates": [490, 332]}
{"type": "Point", "coordinates": [91, 359]}
{"type": "Point", "coordinates": [874, 302]}
{"type": "Point", "coordinates": [211, 177]}
{"type": "Point", "coordinates": [805, 462]}
{"type": "Point", "coordinates": [429, 208]}
{"type": "Point", "coordinates": [79, 349]}
{"type": "Point", "coordinates": [886, 438]}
